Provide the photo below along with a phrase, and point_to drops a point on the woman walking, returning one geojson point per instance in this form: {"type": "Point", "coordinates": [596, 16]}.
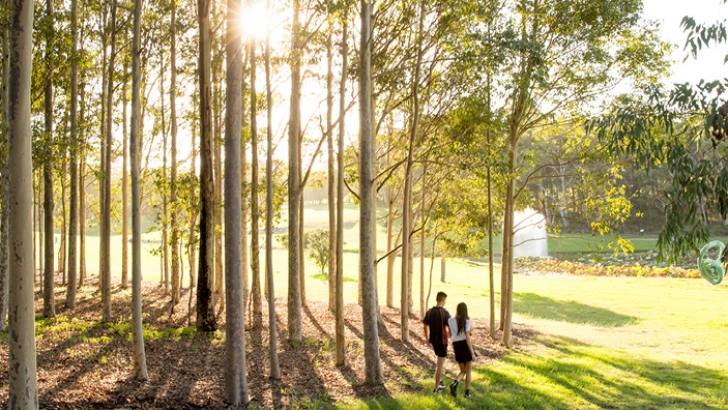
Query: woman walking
{"type": "Point", "coordinates": [460, 328]}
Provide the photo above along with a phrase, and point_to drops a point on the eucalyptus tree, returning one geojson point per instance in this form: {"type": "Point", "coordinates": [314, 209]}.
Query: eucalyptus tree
{"type": "Point", "coordinates": [176, 276]}
{"type": "Point", "coordinates": [275, 371]}
{"type": "Point", "coordinates": [206, 261]}
{"type": "Point", "coordinates": [294, 179]}
{"type": "Point", "coordinates": [254, 212]}
{"type": "Point", "coordinates": [49, 308]}
{"type": "Point", "coordinates": [340, 336]}
{"type": "Point", "coordinates": [105, 213]}
{"type": "Point", "coordinates": [235, 368]}
{"type": "Point", "coordinates": [72, 270]}
{"type": "Point", "coordinates": [367, 253]}
{"type": "Point", "coordinates": [22, 376]}
{"type": "Point", "coordinates": [681, 131]}
{"type": "Point", "coordinates": [140, 360]}
{"type": "Point", "coordinates": [555, 54]}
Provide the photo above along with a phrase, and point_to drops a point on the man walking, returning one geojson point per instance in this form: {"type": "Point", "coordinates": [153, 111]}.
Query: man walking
{"type": "Point", "coordinates": [436, 333]}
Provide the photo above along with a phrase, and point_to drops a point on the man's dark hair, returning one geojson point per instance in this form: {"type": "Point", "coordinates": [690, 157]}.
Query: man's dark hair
{"type": "Point", "coordinates": [441, 296]}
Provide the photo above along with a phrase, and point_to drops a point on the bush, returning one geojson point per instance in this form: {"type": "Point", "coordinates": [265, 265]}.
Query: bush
{"type": "Point", "coordinates": [318, 244]}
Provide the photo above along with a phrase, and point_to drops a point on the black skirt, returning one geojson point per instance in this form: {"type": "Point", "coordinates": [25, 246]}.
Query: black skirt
{"type": "Point", "coordinates": [462, 352]}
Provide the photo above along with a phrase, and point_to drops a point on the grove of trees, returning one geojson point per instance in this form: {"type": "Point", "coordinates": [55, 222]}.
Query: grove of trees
{"type": "Point", "coordinates": [467, 112]}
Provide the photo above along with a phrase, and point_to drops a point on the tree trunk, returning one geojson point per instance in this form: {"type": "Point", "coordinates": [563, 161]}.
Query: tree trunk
{"type": "Point", "coordinates": [49, 304]}
{"type": "Point", "coordinates": [173, 172]}
{"type": "Point", "coordinates": [331, 183]}
{"type": "Point", "coordinates": [406, 297]}
{"type": "Point", "coordinates": [254, 213]}
{"type": "Point", "coordinates": [4, 35]}
{"type": "Point", "coordinates": [4, 234]}
{"type": "Point", "coordinates": [391, 255]}
{"type": "Point", "coordinates": [443, 270]}
{"type": "Point", "coordinates": [422, 243]}
{"type": "Point", "coordinates": [105, 272]}
{"type": "Point", "coordinates": [340, 340]}
{"type": "Point", "coordinates": [217, 175]}
{"type": "Point", "coordinates": [125, 191]}
{"type": "Point", "coordinates": [165, 237]}
{"type": "Point", "coordinates": [73, 165]}
{"type": "Point", "coordinates": [62, 248]}
{"type": "Point", "coordinates": [275, 371]}
{"type": "Point", "coordinates": [294, 182]}
{"type": "Point", "coordinates": [191, 236]}
{"type": "Point", "coordinates": [22, 384]}
{"type": "Point", "coordinates": [301, 240]}
{"type": "Point", "coordinates": [491, 290]}
{"type": "Point", "coordinates": [507, 262]}
{"type": "Point", "coordinates": [82, 201]}
{"type": "Point", "coordinates": [140, 360]}
{"type": "Point", "coordinates": [235, 366]}
{"type": "Point", "coordinates": [206, 260]}
{"type": "Point", "coordinates": [367, 193]}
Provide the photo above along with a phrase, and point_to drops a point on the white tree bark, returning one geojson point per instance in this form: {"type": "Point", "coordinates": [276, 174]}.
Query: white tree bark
{"type": "Point", "coordinates": [235, 366]}
{"type": "Point", "coordinates": [73, 165]}
{"type": "Point", "coordinates": [140, 360]}
{"type": "Point", "coordinates": [275, 371]}
{"type": "Point", "coordinates": [367, 191]}
{"type": "Point", "coordinates": [22, 378]}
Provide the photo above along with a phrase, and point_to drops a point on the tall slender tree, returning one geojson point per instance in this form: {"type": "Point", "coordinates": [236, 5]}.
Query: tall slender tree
{"type": "Point", "coordinates": [176, 276]}
{"type": "Point", "coordinates": [22, 377]}
{"type": "Point", "coordinates": [254, 212]}
{"type": "Point", "coordinates": [406, 298]}
{"type": "Point", "coordinates": [165, 210]}
{"type": "Point", "coordinates": [140, 358]}
{"type": "Point", "coordinates": [340, 337]}
{"type": "Point", "coordinates": [235, 368]}
{"type": "Point", "coordinates": [105, 273]}
{"type": "Point", "coordinates": [331, 184]}
{"type": "Point", "coordinates": [294, 180]}
{"type": "Point", "coordinates": [124, 188]}
{"type": "Point", "coordinates": [4, 36]}
{"type": "Point", "coordinates": [367, 193]}
{"type": "Point", "coordinates": [49, 304]}
{"type": "Point", "coordinates": [206, 264]}
{"type": "Point", "coordinates": [275, 371]}
{"type": "Point", "coordinates": [72, 270]}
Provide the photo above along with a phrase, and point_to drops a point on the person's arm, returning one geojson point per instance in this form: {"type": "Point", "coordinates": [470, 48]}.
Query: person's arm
{"type": "Point", "coordinates": [425, 327]}
{"type": "Point", "coordinates": [470, 343]}
{"type": "Point", "coordinates": [468, 339]}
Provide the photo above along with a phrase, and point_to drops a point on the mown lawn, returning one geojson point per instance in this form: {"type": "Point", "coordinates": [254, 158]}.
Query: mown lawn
{"type": "Point", "coordinates": [600, 342]}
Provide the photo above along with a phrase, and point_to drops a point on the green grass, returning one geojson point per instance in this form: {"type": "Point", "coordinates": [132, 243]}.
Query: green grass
{"type": "Point", "coordinates": [630, 343]}
{"type": "Point", "coordinates": [601, 342]}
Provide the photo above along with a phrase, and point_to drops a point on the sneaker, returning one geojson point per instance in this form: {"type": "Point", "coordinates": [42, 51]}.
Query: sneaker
{"type": "Point", "coordinates": [439, 389]}
{"type": "Point", "coordinates": [454, 387]}
{"type": "Point", "coordinates": [467, 394]}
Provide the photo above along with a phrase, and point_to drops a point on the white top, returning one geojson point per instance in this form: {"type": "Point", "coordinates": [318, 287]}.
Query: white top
{"type": "Point", "coordinates": [453, 324]}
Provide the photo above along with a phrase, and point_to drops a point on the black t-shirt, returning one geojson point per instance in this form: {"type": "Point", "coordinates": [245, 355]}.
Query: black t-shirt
{"type": "Point", "coordinates": [436, 318]}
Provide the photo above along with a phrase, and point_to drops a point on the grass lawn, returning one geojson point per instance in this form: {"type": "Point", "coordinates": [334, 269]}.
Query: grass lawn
{"type": "Point", "coordinates": [599, 342]}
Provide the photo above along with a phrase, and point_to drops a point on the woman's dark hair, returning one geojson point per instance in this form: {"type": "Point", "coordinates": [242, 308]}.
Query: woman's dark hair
{"type": "Point", "coordinates": [461, 316]}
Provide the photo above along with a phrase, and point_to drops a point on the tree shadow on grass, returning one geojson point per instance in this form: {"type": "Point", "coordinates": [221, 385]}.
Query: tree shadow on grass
{"type": "Point", "coordinates": [543, 307]}
{"type": "Point", "coordinates": [621, 380]}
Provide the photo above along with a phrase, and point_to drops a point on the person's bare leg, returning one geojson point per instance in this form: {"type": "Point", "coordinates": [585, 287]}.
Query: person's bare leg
{"type": "Point", "coordinates": [462, 372]}
{"type": "Point", "coordinates": [438, 370]}
{"type": "Point", "coordinates": [468, 367]}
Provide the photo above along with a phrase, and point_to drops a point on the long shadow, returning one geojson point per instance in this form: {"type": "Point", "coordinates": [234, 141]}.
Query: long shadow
{"type": "Point", "coordinates": [360, 389]}
{"type": "Point", "coordinates": [543, 307]}
{"type": "Point", "coordinates": [602, 388]}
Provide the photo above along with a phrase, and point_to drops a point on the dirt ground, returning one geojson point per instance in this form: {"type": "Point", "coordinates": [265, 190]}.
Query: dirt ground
{"type": "Point", "coordinates": [83, 363]}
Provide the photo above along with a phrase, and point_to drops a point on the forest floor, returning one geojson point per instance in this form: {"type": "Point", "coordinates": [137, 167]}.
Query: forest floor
{"type": "Point", "coordinates": [84, 363]}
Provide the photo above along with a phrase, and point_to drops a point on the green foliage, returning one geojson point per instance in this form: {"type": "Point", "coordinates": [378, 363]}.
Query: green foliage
{"type": "Point", "coordinates": [318, 244]}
